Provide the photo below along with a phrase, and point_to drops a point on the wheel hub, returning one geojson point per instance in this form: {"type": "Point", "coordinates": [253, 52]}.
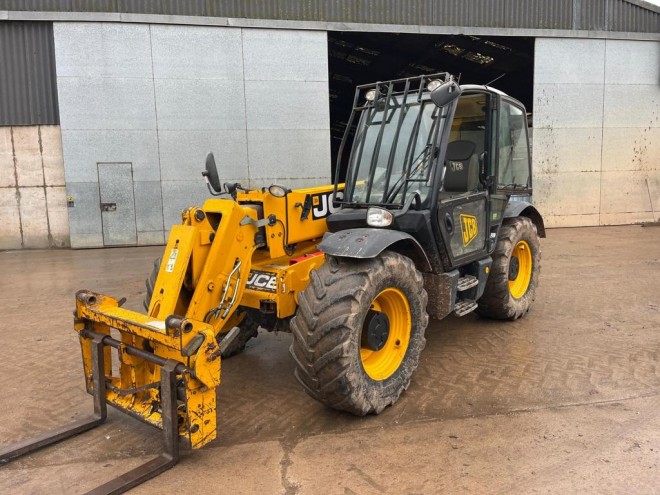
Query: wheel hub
{"type": "Point", "coordinates": [375, 331]}
{"type": "Point", "coordinates": [514, 268]}
{"type": "Point", "coordinates": [520, 269]}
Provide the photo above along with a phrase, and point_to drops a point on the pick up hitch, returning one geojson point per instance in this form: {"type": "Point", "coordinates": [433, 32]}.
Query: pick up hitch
{"type": "Point", "coordinates": [169, 369]}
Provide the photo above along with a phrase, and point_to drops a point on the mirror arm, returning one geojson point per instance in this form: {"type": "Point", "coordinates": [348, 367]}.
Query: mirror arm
{"type": "Point", "coordinates": [208, 185]}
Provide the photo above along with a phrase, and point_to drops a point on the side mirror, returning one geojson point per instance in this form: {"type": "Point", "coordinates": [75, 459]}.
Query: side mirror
{"type": "Point", "coordinates": [445, 93]}
{"type": "Point", "coordinates": [211, 175]}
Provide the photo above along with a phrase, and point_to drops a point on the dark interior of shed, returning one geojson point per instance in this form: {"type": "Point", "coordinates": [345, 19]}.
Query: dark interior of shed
{"type": "Point", "coordinates": [359, 58]}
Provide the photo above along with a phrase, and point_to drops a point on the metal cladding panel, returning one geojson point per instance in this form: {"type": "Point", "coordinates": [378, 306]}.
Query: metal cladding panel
{"type": "Point", "coordinates": [94, 6]}
{"type": "Point", "coordinates": [381, 11]}
{"type": "Point", "coordinates": [555, 14]}
{"type": "Point", "coordinates": [485, 13]}
{"type": "Point", "coordinates": [615, 15]}
{"type": "Point", "coordinates": [251, 9]}
{"type": "Point", "coordinates": [28, 90]}
{"type": "Point", "coordinates": [592, 16]}
{"type": "Point", "coordinates": [166, 7]}
{"type": "Point", "coordinates": [369, 11]}
{"type": "Point", "coordinates": [309, 10]}
{"type": "Point", "coordinates": [541, 14]}
{"type": "Point", "coordinates": [38, 5]}
{"type": "Point", "coordinates": [447, 13]}
{"type": "Point", "coordinates": [625, 16]}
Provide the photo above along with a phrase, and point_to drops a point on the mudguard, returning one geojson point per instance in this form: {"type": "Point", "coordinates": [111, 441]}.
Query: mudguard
{"type": "Point", "coordinates": [363, 243]}
{"type": "Point", "coordinates": [525, 209]}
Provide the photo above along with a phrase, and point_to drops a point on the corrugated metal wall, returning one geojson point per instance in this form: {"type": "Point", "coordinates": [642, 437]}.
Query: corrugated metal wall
{"type": "Point", "coordinates": [28, 92]}
{"type": "Point", "coordinates": [615, 15]}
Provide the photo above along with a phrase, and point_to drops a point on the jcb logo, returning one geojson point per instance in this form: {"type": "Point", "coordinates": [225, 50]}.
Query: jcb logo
{"type": "Point", "coordinates": [322, 204]}
{"type": "Point", "coordinates": [456, 166]}
{"type": "Point", "coordinates": [468, 228]}
{"type": "Point", "coordinates": [264, 281]}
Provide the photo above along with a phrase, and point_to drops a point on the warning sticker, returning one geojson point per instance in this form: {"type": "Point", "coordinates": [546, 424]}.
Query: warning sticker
{"type": "Point", "coordinates": [169, 268]}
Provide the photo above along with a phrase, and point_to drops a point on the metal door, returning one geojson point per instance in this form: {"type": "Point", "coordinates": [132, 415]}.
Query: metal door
{"type": "Point", "coordinates": [117, 204]}
{"type": "Point", "coordinates": [464, 226]}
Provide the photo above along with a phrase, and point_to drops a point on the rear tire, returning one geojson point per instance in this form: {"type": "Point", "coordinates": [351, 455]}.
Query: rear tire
{"type": "Point", "coordinates": [249, 327]}
{"type": "Point", "coordinates": [514, 275]}
{"type": "Point", "coordinates": [333, 362]}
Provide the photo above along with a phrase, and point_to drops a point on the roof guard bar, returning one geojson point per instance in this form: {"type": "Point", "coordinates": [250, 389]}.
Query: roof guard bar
{"type": "Point", "coordinates": [390, 88]}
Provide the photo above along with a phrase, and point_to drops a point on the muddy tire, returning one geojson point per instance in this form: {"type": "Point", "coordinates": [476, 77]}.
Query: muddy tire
{"type": "Point", "coordinates": [340, 311]}
{"type": "Point", "coordinates": [150, 282]}
{"type": "Point", "coordinates": [514, 276]}
{"type": "Point", "coordinates": [249, 327]}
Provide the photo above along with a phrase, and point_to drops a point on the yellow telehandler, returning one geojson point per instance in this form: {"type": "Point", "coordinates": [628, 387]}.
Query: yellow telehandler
{"type": "Point", "coordinates": [433, 217]}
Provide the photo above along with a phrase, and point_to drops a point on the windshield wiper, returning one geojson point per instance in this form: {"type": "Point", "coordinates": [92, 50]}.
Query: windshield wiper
{"type": "Point", "coordinates": [422, 157]}
{"type": "Point", "coordinates": [513, 186]}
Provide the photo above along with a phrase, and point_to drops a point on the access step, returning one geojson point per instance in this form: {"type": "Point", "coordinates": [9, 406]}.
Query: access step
{"type": "Point", "coordinates": [467, 282]}
{"type": "Point", "coordinates": [465, 306]}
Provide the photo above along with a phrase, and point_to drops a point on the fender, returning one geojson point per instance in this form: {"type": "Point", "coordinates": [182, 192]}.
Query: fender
{"type": "Point", "coordinates": [364, 243]}
{"type": "Point", "coordinates": [525, 209]}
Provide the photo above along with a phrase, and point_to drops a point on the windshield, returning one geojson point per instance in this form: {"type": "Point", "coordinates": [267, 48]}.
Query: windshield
{"type": "Point", "coordinates": [393, 151]}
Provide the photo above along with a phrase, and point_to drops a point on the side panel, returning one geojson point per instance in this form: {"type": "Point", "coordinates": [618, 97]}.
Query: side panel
{"type": "Point", "coordinates": [463, 224]}
{"type": "Point", "coordinates": [280, 281]}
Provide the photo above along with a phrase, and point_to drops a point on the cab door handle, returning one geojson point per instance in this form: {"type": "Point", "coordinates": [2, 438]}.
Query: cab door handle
{"type": "Point", "coordinates": [449, 223]}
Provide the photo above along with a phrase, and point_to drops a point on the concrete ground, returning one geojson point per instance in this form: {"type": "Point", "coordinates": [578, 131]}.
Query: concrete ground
{"type": "Point", "coordinates": [566, 400]}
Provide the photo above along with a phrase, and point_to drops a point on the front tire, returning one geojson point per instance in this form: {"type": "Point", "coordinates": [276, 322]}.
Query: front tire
{"type": "Point", "coordinates": [514, 276]}
{"type": "Point", "coordinates": [249, 329]}
{"type": "Point", "coordinates": [359, 331]}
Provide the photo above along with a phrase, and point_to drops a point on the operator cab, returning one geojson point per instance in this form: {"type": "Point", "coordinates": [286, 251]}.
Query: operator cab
{"type": "Point", "coordinates": [437, 161]}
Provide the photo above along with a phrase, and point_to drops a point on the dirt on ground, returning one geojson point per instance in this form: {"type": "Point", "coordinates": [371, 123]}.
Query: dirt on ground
{"type": "Point", "coordinates": [565, 400]}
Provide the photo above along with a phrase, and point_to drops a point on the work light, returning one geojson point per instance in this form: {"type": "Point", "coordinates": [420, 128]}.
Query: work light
{"type": "Point", "coordinates": [434, 84]}
{"type": "Point", "coordinates": [379, 217]}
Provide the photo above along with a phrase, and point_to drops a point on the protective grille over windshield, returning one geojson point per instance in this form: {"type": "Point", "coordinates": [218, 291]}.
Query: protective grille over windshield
{"type": "Point", "coordinates": [395, 142]}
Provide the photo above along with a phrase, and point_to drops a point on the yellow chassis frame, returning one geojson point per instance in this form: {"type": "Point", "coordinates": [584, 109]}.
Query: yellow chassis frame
{"type": "Point", "coordinates": [200, 294]}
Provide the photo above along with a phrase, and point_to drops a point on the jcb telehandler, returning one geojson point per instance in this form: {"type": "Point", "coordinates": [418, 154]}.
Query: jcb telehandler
{"type": "Point", "coordinates": [434, 217]}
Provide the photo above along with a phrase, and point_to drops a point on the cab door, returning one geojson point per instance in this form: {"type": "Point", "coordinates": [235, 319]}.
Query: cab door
{"type": "Point", "coordinates": [463, 210]}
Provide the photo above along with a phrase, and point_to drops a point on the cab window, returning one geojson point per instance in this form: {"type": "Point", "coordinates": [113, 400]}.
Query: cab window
{"type": "Point", "coordinates": [513, 172]}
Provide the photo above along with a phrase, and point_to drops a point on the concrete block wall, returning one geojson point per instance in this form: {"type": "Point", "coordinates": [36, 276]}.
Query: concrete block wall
{"type": "Point", "coordinates": [161, 96]}
{"type": "Point", "coordinates": [33, 203]}
{"type": "Point", "coordinates": [597, 131]}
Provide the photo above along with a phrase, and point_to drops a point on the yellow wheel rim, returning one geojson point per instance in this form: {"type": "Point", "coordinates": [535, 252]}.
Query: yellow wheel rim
{"type": "Point", "coordinates": [520, 269]}
{"type": "Point", "coordinates": [382, 364]}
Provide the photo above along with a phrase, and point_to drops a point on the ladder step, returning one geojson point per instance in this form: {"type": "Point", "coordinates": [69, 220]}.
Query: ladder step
{"type": "Point", "coordinates": [467, 282]}
{"type": "Point", "coordinates": [465, 306]}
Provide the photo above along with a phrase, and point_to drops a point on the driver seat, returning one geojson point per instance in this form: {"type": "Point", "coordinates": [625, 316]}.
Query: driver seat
{"type": "Point", "coordinates": [461, 169]}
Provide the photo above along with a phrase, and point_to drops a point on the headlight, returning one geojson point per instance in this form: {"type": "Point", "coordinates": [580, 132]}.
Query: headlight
{"type": "Point", "coordinates": [370, 95]}
{"type": "Point", "coordinates": [378, 217]}
{"type": "Point", "coordinates": [278, 191]}
{"type": "Point", "coordinates": [434, 84]}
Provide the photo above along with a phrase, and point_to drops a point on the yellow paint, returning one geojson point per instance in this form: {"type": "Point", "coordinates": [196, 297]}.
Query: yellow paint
{"type": "Point", "coordinates": [518, 287]}
{"type": "Point", "coordinates": [382, 364]}
{"type": "Point", "coordinates": [469, 228]}
{"type": "Point", "coordinates": [203, 274]}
